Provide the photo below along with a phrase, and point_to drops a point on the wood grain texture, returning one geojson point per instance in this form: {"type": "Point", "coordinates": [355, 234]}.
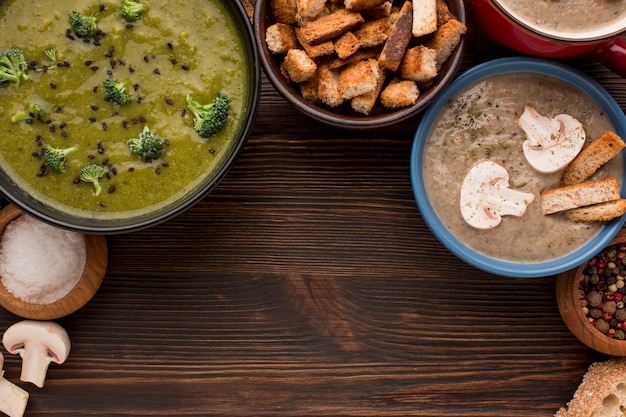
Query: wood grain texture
{"type": "Point", "coordinates": [307, 284]}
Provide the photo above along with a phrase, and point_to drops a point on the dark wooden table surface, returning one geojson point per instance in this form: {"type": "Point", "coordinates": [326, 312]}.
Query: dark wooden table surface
{"type": "Point", "coordinates": [307, 284]}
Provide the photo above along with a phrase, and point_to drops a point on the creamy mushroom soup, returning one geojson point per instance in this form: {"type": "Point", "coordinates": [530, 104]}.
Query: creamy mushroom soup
{"type": "Point", "coordinates": [480, 124]}
{"type": "Point", "coordinates": [571, 16]}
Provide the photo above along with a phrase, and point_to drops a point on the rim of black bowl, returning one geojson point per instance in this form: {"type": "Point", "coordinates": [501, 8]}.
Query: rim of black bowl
{"type": "Point", "coordinates": [262, 18]}
{"type": "Point", "coordinates": [496, 266]}
{"type": "Point", "coordinates": [41, 211]}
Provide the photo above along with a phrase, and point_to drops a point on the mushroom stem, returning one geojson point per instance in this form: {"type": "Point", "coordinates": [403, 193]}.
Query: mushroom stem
{"type": "Point", "coordinates": [35, 361]}
{"type": "Point", "coordinates": [13, 399]}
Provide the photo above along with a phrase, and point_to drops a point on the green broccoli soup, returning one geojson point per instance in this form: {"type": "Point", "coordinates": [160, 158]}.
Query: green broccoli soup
{"type": "Point", "coordinates": [117, 107]}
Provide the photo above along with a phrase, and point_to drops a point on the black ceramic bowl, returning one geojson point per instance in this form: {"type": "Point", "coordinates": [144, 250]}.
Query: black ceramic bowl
{"type": "Point", "coordinates": [341, 117]}
{"type": "Point", "coordinates": [128, 221]}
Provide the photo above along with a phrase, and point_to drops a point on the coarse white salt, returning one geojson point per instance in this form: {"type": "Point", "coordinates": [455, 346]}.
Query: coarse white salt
{"type": "Point", "coordinates": [39, 263]}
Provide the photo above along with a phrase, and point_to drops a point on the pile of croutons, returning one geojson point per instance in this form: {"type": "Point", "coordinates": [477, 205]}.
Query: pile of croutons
{"type": "Point", "coordinates": [370, 54]}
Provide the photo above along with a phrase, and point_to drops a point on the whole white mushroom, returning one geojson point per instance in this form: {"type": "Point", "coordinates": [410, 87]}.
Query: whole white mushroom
{"type": "Point", "coordinates": [38, 343]}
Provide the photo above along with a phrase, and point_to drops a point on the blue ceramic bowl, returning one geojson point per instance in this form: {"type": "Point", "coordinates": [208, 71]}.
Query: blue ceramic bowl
{"type": "Point", "coordinates": [467, 254]}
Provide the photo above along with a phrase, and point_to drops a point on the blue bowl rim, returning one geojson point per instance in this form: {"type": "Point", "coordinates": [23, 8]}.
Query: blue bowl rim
{"type": "Point", "coordinates": [502, 66]}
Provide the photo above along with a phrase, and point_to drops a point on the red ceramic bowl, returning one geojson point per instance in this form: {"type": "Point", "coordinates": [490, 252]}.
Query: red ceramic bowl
{"type": "Point", "coordinates": [490, 21]}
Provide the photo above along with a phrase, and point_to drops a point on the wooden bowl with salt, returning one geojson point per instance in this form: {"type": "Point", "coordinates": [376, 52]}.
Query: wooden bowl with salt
{"type": "Point", "coordinates": [569, 300]}
{"type": "Point", "coordinates": [95, 264]}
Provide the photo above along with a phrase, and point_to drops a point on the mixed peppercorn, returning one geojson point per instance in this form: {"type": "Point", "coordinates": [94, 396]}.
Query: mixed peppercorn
{"type": "Point", "coordinates": [602, 289]}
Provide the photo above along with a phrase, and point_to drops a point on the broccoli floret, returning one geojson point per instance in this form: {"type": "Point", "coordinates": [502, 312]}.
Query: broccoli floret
{"type": "Point", "coordinates": [56, 158]}
{"type": "Point", "coordinates": [209, 118]}
{"type": "Point", "coordinates": [149, 145]}
{"type": "Point", "coordinates": [83, 26]}
{"type": "Point", "coordinates": [116, 91]}
{"type": "Point", "coordinates": [34, 111]}
{"type": "Point", "coordinates": [130, 10]}
{"type": "Point", "coordinates": [13, 66]}
{"type": "Point", "coordinates": [92, 173]}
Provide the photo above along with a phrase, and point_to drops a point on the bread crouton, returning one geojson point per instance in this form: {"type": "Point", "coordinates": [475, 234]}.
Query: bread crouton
{"type": "Point", "coordinates": [357, 5]}
{"type": "Point", "coordinates": [443, 13]}
{"type": "Point", "coordinates": [309, 9]}
{"type": "Point", "coordinates": [358, 78]}
{"type": "Point", "coordinates": [602, 212]}
{"type": "Point", "coordinates": [330, 26]}
{"type": "Point", "coordinates": [445, 39]}
{"type": "Point", "coordinates": [308, 89]}
{"type": "Point", "coordinates": [424, 17]}
{"type": "Point", "coordinates": [579, 195]}
{"type": "Point", "coordinates": [373, 32]}
{"type": "Point", "coordinates": [314, 51]}
{"type": "Point", "coordinates": [384, 10]}
{"type": "Point", "coordinates": [597, 153]}
{"type": "Point", "coordinates": [399, 93]}
{"type": "Point", "coordinates": [365, 103]}
{"type": "Point", "coordinates": [398, 40]}
{"type": "Point", "coordinates": [327, 86]}
{"type": "Point", "coordinates": [284, 11]}
{"type": "Point", "coordinates": [346, 45]}
{"type": "Point", "coordinates": [419, 64]}
{"type": "Point", "coordinates": [280, 38]}
{"type": "Point", "coordinates": [359, 55]}
{"type": "Point", "coordinates": [298, 65]}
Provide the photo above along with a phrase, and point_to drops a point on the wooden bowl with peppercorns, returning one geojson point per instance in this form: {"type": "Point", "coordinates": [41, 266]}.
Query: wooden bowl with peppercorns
{"type": "Point", "coordinates": [592, 299]}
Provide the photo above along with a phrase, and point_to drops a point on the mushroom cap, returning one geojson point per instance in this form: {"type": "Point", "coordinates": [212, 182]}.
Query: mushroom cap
{"type": "Point", "coordinates": [25, 333]}
{"type": "Point", "coordinates": [552, 143]}
{"type": "Point", "coordinates": [486, 196]}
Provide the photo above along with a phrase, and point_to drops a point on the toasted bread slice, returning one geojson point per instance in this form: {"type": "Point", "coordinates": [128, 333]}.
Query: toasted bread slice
{"type": "Point", "coordinates": [602, 212]}
{"type": "Point", "coordinates": [443, 13]}
{"type": "Point", "coordinates": [424, 17]}
{"type": "Point", "coordinates": [601, 391]}
{"type": "Point", "coordinates": [327, 85]}
{"type": "Point", "coordinates": [445, 39]}
{"type": "Point", "coordinates": [365, 103]}
{"type": "Point", "coordinates": [280, 38]}
{"type": "Point", "coordinates": [284, 11]}
{"type": "Point", "coordinates": [398, 40]}
{"type": "Point", "coordinates": [399, 93]}
{"type": "Point", "coordinates": [356, 5]}
{"type": "Point", "coordinates": [314, 51]}
{"type": "Point", "coordinates": [373, 32]}
{"type": "Point", "coordinates": [601, 150]}
{"type": "Point", "coordinates": [579, 195]}
{"type": "Point", "coordinates": [419, 64]}
{"type": "Point", "coordinates": [298, 65]}
{"type": "Point", "coordinates": [309, 9]}
{"type": "Point", "coordinates": [330, 26]}
{"type": "Point", "coordinates": [358, 78]}
{"type": "Point", "coordinates": [346, 45]}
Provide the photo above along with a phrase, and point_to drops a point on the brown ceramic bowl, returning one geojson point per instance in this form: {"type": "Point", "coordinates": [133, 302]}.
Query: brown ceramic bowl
{"type": "Point", "coordinates": [570, 307]}
{"type": "Point", "coordinates": [83, 291]}
{"type": "Point", "coordinates": [343, 116]}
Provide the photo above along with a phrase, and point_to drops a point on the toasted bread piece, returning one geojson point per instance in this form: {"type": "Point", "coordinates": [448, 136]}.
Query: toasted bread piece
{"type": "Point", "coordinates": [358, 78]}
{"type": "Point", "coordinates": [373, 32]}
{"type": "Point", "coordinates": [597, 153]}
{"type": "Point", "coordinates": [346, 45]}
{"type": "Point", "coordinates": [445, 39]}
{"type": "Point", "coordinates": [308, 89]}
{"type": "Point", "coordinates": [365, 103]}
{"type": "Point", "coordinates": [579, 195]}
{"type": "Point", "coordinates": [602, 212]}
{"type": "Point", "coordinates": [360, 55]}
{"type": "Point", "coordinates": [357, 5]}
{"type": "Point", "coordinates": [299, 66]}
{"type": "Point", "coordinates": [419, 64]}
{"type": "Point", "coordinates": [601, 391]}
{"type": "Point", "coordinates": [314, 51]}
{"type": "Point", "coordinates": [443, 13]}
{"type": "Point", "coordinates": [327, 85]}
{"type": "Point", "coordinates": [399, 93]}
{"type": "Point", "coordinates": [309, 9]}
{"type": "Point", "coordinates": [384, 10]}
{"type": "Point", "coordinates": [280, 38]}
{"type": "Point", "coordinates": [330, 26]}
{"type": "Point", "coordinates": [398, 40]}
{"type": "Point", "coordinates": [284, 11]}
{"type": "Point", "coordinates": [424, 17]}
